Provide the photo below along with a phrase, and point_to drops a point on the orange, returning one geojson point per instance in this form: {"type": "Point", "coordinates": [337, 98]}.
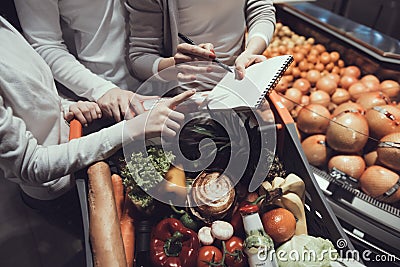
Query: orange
{"type": "Point", "coordinates": [279, 224]}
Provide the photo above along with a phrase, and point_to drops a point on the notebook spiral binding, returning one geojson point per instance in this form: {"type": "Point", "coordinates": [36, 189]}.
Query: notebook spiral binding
{"type": "Point", "coordinates": [275, 79]}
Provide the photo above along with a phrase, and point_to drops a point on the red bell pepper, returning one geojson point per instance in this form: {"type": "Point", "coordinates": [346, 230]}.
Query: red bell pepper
{"type": "Point", "coordinates": [172, 244]}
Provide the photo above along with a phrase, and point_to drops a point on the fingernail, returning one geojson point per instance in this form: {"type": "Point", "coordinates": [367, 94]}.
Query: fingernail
{"type": "Point", "coordinates": [212, 56]}
{"type": "Point", "coordinates": [85, 125]}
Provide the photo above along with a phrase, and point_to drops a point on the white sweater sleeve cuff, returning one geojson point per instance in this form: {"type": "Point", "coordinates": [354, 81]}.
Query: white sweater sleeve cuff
{"type": "Point", "coordinates": [155, 69]}
{"type": "Point", "coordinates": [100, 91]}
{"type": "Point", "coordinates": [265, 30]}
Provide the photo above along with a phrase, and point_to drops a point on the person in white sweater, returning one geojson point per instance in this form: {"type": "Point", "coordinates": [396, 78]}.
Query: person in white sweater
{"type": "Point", "coordinates": [96, 67]}
{"type": "Point", "coordinates": [34, 147]}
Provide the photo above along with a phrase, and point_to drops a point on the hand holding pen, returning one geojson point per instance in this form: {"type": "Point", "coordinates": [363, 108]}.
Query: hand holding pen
{"type": "Point", "coordinates": [212, 56]}
{"type": "Point", "coordinates": [189, 51]}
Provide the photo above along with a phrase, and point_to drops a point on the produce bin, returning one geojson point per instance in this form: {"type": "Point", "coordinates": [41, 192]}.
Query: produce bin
{"type": "Point", "coordinates": [321, 220]}
{"type": "Point", "coordinates": [372, 225]}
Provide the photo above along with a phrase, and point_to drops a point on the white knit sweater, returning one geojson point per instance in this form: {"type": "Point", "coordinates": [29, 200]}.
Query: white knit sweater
{"type": "Point", "coordinates": [99, 37]}
{"type": "Point", "coordinates": [32, 125]}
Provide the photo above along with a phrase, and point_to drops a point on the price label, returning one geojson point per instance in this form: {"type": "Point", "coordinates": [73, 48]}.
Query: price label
{"type": "Point", "coordinates": [343, 178]}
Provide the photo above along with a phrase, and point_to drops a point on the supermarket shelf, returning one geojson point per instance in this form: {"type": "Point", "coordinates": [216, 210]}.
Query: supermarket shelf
{"type": "Point", "coordinates": [370, 41]}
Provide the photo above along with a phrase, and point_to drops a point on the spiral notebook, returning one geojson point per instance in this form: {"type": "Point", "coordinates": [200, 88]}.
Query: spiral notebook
{"type": "Point", "coordinates": [259, 80]}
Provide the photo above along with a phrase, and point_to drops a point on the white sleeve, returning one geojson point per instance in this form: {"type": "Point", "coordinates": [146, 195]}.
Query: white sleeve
{"type": "Point", "coordinates": [22, 158]}
{"type": "Point", "coordinates": [260, 19]}
{"type": "Point", "coordinates": [40, 21]}
{"type": "Point", "coordinates": [263, 30]}
{"type": "Point", "coordinates": [65, 103]}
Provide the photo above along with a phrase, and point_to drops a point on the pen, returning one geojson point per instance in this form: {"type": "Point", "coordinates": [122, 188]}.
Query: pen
{"type": "Point", "coordinates": [216, 60]}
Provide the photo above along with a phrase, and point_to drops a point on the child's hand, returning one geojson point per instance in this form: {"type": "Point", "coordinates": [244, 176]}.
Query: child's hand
{"type": "Point", "coordinates": [84, 111]}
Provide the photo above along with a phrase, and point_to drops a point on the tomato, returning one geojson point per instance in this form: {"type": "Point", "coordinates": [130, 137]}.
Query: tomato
{"type": "Point", "coordinates": [209, 254]}
{"type": "Point", "coordinates": [234, 245]}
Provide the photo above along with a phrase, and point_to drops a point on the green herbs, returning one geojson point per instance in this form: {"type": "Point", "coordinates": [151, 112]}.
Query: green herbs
{"type": "Point", "coordinates": [143, 171]}
{"type": "Point", "coordinates": [147, 170]}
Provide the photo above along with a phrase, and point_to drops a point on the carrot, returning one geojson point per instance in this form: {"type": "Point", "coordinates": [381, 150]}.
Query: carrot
{"type": "Point", "coordinates": [118, 189]}
{"type": "Point", "coordinates": [128, 230]}
{"type": "Point", "coordinates": [105, 231]}
{"type": "Point", "coordinates": [175, 184]}
{"type": "Point", "coordinates": [75, 129]}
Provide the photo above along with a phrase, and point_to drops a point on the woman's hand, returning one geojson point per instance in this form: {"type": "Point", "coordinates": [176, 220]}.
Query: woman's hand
{"type": "Point", "coordinates": [252, 54]}
{"type": "Point", "coordinates": [191, 53]}
{"type": "Point", "coordinates": [84, 111]}
{"type": "Point", "coordinates": [187, 52]}
{"type": "Point", "coordinates": [244, 60]}
{"type": "Point", "coordinates": [161, 120]}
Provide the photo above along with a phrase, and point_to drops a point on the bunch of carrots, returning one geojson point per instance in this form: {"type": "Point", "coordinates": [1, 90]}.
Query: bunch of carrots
{"type": "Point", "coordinates": [125, 212]}
{"type": "Point", "coordinates": [111, 214]}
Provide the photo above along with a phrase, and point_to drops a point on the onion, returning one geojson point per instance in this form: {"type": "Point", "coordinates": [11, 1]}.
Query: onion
{"type": "Point", "coordinates": [348, 106]}
{"type": "Point", "coordinates": [307, 47]}
{"type": "Point", "coordinates": [340, 96]}
{"type": "Point", "coordinates": [282, 85]}
{"type": "Point", "coordinates": [329, 66]}
{"type": "Point", "coordinates": [303, 85]}
{"type": "Point", "coordinates": [313, 118]}
{"type": "Point", "coordinates": [320, 97]}
{"type": "Point", "coordinates": [303, 51]}
{"type": "Point", "coordinates": [372, 99]}
{"type": "Point", "coordinates": [333, 76]}
{"type": "Point", "coordinates": [314, 51]}
{"type": "Point", "coordinates": [289, 70]}
{"type": "Point", "coordinates": [334, 56]}
{"type": "Point", "coordinates": [357, 89]}
{"type": "Point", "coordinates": [295, 72]}
{"type": "Point", "coordinates": [312, 58]}
{"type": "Point", "coordinates": [305, 100]}
{"type": "Point", "coordinates": [347, 132]}
{"type": "Point", "coordinates": [298, 57]}
{"type": "Point", "coordinates": [383, 120]}
{"type": "Point", "coordinates": [320, 48]}
{"type": "Point", "coordinates": [377, 180]}
{"type": "Point", "coordinates": [282, 49]}
{"type": "Point", "coordinates": [326, 84]}
{"type": "Point", "coordinates": [390, 88]}
{"type": "Point", "coordinates": [294, 96]}
{"type": "Point", "coordinates": [315, 149]}
{"type": "Point", "coordinates": [325, 58]}
{"type": "Point", "coordinates": [288, 78]}
{"type": "Point", "coordinates": [353, 71]}
{"type": "Point", "coordinates": [212, 195]}
{"type": "Point", "coordinates": [313, 76]}
{"type": "Point", "coordinates": [303, 65]}
{"type": "Point", "coordinates": [389, 151]}
{"type": "Point", "coordinates": [371, 82]}
{"type": "Point", "coordinates": [351, 165]}
{"type": "Point", "coordinates": [319, 67]}
{"type": "Point", "coordinates": [346, 81]}
{"type": "Point", "coordinates": [336, 70]}
{"type": "Point", "coordinates": [371, 158]}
